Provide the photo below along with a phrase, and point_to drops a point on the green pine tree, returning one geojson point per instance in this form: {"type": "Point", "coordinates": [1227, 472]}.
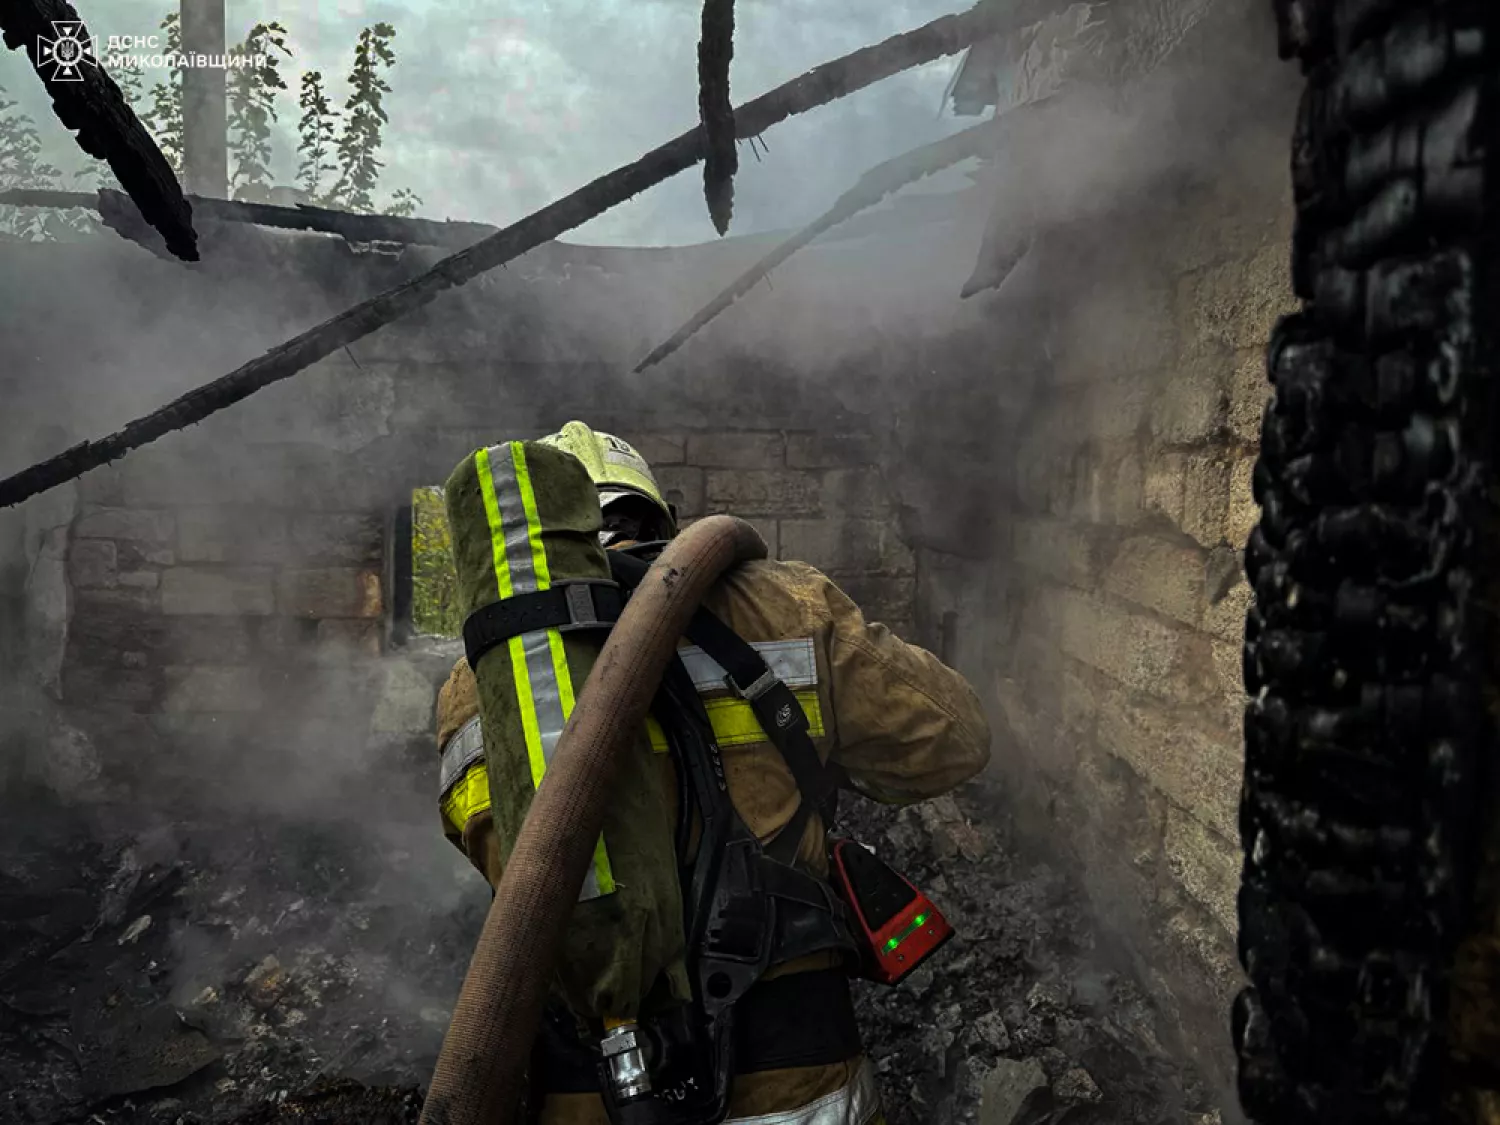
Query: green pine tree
{"type": "Point", "coordinates": [365, 117]}
{"type": "Point", "coordinates": [434, 594]}
{"type": "Point", "coordinates": [252, 111]}
{"type": "Point", "coordinates": [335, 170]}
{"type": "Point", "coordinates": [22, 166]}
{"type": "Point", "coordinates": [129, 79]}
{"type": "Point", "coordinates": [164, 115]}
{"type": "Point", "coordinates": [316, 132]}
{"type": "Point", "coordinates": [403, 203]}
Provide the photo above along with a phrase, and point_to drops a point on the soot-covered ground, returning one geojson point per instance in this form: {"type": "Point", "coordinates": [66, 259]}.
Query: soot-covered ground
{"type": "Point", "coordinates": [212, 970]}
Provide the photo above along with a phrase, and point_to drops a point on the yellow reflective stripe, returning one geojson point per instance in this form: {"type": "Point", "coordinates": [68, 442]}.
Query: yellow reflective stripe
{"type": "Point", "coordinates": [735, 723]}
{"type": "Point", "coordinates": [524, 698]}
{"type": "Point", "coordinates": [505, 587]}
{"type": "Point", "coordinates": [564, 693]}
{"type": "Point", "coordinates": [497, 526]}
{"type": "Point", "coordinates": [656, 734]}
{"type": "Point", "coordinates": [603, 875]}
{"type": "Point", "coordinates": [469, 797]}
{"type": "Point", "coordinates": [533, 521]}
{"type": "Point", "coordinates": [560, 670]}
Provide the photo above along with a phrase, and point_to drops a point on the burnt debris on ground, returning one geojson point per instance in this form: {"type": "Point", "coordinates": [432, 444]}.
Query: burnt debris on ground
{"type": "Point", "coordinates": [198, 972]}
{"type": "Point", "coordinates": [1027, 1016]}
{"type": "Point", "coordinates": [215, 972]}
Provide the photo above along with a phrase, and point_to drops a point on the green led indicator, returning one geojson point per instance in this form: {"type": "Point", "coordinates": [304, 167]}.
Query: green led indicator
{"type": "Point", "coordinates": [916, 924]}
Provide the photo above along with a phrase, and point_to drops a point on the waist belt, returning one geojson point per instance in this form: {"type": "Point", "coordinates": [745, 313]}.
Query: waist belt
{"type": "Point", "coordinates": [803, 1019]}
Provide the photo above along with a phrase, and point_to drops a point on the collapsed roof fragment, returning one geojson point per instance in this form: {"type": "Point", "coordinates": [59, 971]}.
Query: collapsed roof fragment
{"type": "Point", "coordinates": [1043, 52]}
{"type": "Point", "coordinates": [819, 86]}
{"type": "Point", "coordinates": [89, 103]}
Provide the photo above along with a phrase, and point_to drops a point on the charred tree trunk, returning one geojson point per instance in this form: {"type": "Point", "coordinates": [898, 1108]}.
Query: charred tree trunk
{"type": "Point", "coordinates": [1368, 912]}
{"type": "Point", "coordinates": [350, 226]}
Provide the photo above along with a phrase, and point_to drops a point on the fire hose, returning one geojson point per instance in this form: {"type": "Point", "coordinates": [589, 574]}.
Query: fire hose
{"type": "Point", "coordinates": [480, 1077]}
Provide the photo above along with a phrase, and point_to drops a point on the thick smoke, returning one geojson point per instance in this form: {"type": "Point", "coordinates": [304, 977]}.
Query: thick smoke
{"type": "Point", "coordinates": [308, 832]}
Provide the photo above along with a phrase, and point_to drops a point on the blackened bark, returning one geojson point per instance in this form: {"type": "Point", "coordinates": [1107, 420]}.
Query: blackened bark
{"type": "Point", "coordinates": [352, 227]}
{"type": "Point", "coordinates": [1367, 911]}
{"type": "Point", "coordinates": [716, 111]}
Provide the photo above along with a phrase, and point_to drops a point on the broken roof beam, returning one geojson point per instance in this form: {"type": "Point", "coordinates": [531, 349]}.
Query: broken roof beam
{"type": "Point", "coordinates": [817, 87]}
{"type": "Point", "coordinates": [880, 181]}
{"type": "Point", "coordinates": [352, 227]}
{"type": "Point", "coordinates": [88, 102]}
{"type": "Point", "coordinates": [721, 159]}
{"type": "Point", "coordinates": [975, 88]}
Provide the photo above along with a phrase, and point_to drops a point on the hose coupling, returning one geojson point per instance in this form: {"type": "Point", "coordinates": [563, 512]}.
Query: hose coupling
{"type": "Point", "coordinates": [626, 1061]}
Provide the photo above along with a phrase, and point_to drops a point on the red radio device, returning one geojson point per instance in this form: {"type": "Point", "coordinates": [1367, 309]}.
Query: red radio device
{"type": "Point", "coordinates": [900, 926]}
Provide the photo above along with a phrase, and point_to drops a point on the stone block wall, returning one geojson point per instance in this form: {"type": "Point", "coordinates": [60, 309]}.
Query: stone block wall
{"type": "Point", "coordinates": [818, 498]}
{"type": "Point", "coordinates": [212, 616]}
{"type": "Point", "coordinates": [1119, 588]}
{"type": "Point", "coordinates": [218, 603]}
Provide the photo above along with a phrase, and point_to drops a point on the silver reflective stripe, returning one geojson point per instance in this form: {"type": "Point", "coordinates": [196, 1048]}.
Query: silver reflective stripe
{"type": "Point", "coordinates": [536, 647]}
{"type": "Point", "coordinates": [630, 461]}
{"type": "Point", "coordinates": [792, 662]}
{"type": "Point", "coordinates": [856, 1104]}
{"type": "Point", "coordinates": [464, 749]}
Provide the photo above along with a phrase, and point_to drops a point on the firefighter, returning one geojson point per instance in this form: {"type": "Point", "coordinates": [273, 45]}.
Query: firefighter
{"type": "Point", "coordinates": [897, 725]}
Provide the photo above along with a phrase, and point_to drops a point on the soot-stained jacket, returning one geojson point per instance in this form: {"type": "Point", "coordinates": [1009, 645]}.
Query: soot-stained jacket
{"type": "Point", "coordinates": [902, 726]}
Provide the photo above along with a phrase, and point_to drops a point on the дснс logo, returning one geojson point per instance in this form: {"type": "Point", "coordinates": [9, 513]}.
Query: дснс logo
{"type": "Point", "coordinates": [67, 53]}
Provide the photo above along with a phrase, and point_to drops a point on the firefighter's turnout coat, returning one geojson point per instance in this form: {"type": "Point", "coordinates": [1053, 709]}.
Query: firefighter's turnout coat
{"type": "Point", "coordinates": [902, 726]}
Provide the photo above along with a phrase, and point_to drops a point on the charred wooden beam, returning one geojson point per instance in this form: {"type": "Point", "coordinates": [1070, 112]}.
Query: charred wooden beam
{"type": "Point", "coordinates": [352, 227]}
{"type": "Point", "coordinates": [716, 112]}
{"type": "Point", "coordinates": [819, 86]}
{"type": "Point", "coordinates": [87, 101]}
{"type": "Point", "coordinates": [879, 182]}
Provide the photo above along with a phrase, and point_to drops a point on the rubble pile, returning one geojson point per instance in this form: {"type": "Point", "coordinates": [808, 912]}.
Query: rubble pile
{"type": "Point", "coordinates": [224, 972]}
{"type": "Point", "coordinates": [216, 972]}
{"type": "Point", "coordinates": [1027, 1016]}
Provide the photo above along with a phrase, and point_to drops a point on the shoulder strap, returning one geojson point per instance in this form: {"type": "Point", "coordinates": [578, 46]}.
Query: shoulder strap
{"type": "Point", "coordinates": [776, 708]}
{"type": "Point", "coordinates": [780, 715]}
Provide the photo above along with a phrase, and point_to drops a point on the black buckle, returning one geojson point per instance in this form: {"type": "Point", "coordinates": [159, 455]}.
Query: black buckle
{"type": "Point", "coordinates": [763, 683]}
{"type": "Point", "coordinates": [583, 610]}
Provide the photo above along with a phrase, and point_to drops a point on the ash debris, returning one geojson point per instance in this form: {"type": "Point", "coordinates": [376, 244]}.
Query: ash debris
{"type": "Point", "coordinates": [215, 972]}
{"type": "Point", "coordinates": [1027, 1016]}
{"type": "Point", "coordinates": [218, 972]}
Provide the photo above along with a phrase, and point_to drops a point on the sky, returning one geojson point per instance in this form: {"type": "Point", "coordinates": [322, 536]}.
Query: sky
{"type": "Point", "coordinates": [499, 108]}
